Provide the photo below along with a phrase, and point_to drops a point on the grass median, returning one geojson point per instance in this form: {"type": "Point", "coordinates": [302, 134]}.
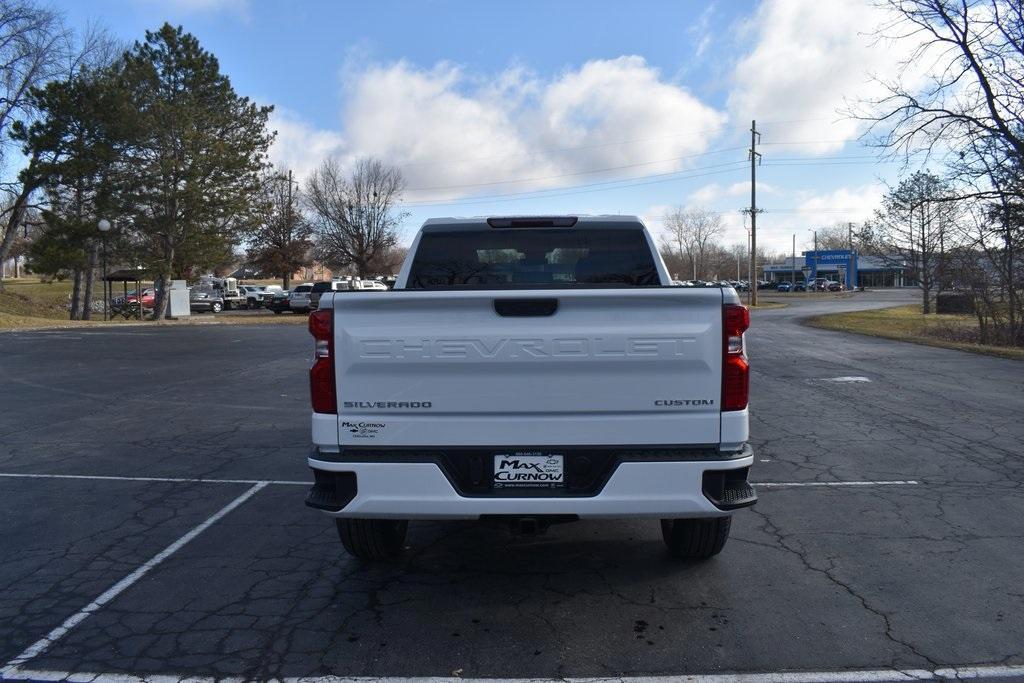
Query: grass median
{"type": "Point", "coordinates": [31, 304]}
{"type": "Point", "coordinates": [906, 323]}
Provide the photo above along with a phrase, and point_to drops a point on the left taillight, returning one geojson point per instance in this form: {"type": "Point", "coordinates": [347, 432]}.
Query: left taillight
{"type": "Point", "coordinates": [322, 390]}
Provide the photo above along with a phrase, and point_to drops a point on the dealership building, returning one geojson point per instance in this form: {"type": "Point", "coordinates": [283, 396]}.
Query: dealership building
{"type": "Point", "coordinates": [841, 265]}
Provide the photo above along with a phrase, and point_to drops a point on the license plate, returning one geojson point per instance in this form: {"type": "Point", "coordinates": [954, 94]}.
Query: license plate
{"type": "Point", "coordinates": [529, 470]}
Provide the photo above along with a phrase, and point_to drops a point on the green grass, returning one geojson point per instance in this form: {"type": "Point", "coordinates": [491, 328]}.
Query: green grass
{"type": "Point", "coordinates": [29, 303]}
{"type": "Point", "coordinates": [906, 323]}
{"type": "Point", "coordinates": [29, 297]}
{"type": "Point", "coordinates": [782, 296]}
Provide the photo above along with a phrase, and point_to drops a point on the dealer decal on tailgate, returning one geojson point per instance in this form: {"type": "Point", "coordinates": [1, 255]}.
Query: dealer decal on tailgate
{"type": "Point", "coordinates": [531, 469]}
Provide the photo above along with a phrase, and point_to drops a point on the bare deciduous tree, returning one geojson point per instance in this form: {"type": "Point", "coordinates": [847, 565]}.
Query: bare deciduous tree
{"type": "Point", "coordinates": [33, 47]}
{"type": "Point", "coordinates": [974, 91]}
{"type": "Point", "coordinates": [691, 232]}
{"type": "Point", "coordinates": [280, 238]}
{"type": "Point", "coordinates": [969, 114]}
{"type": "Point", "coordinates": [354, 213]}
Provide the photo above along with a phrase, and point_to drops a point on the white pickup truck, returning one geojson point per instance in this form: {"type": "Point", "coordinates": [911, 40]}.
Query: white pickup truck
{"type": "Point", "coordinates": [531, 370]}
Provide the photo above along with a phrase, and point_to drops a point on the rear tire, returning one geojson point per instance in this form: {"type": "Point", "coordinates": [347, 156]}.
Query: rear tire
{"type": "Point", "coordinates": [696, 539]}
{"type": "Point", "coordinates": [372, 539]}
{"type": "Point", "coordinates": [216, 308]}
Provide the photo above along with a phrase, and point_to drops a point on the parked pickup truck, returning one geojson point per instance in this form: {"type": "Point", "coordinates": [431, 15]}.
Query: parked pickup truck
{"type": "Point", "coordinates": [531, 371]}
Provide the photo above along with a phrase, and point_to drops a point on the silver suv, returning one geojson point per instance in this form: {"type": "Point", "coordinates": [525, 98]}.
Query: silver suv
{"type": "Point", "coordinates": [298, 299]}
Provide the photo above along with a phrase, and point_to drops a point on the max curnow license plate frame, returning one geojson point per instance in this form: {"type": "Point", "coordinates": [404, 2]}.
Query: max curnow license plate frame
{"type": "Point", "coordinates": [529, 469]}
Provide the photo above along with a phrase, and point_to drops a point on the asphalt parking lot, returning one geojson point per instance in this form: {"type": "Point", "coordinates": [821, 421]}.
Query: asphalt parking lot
{"type": "Point", "coordinates": [152, 524]}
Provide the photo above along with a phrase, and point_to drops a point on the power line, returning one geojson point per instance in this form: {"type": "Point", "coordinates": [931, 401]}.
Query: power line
{"type": "Point", "coordinates": [576, 173]}
{"type": "Point", "coordinates": [598, 145]}
{"type": "Point", "coordinates": [674, 174]}
{"type": "Point", "coordinates": [579, 189]}
{"type": "Point", "coordinates": [540, 150]}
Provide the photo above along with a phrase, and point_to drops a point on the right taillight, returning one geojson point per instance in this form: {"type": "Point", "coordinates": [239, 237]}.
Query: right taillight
{"type": "Point", "coordinates": [735, 369]}
{"type": "Point", "coordinates": [321, 374]}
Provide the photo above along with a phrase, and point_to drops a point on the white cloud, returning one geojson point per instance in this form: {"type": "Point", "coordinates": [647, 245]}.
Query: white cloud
{"type": "Point", "coordinates": [810, 61]}
{"type": "Point", "coordinates": [654, 218]}
{"type": "Point", "coordinates": [299, 146]}
{"type": "Point", "coordinates": [841, 205]}
{"type": "Point", "coordinates": [713, 192]}
{"type": "Point", "coordinates": [700, 31]}
{"type": "Point", "coordinates": [455, 135]}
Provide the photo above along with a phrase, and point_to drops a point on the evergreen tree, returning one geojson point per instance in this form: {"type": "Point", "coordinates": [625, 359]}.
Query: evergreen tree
{"type": "Point", "coordinates": [197, 150]}
{"type": "Point", "coordinates": [74, 147]}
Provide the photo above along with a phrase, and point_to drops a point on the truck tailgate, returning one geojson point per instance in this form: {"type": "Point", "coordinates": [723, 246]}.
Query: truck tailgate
{"type": "Point", "coordinates": [606, 367]}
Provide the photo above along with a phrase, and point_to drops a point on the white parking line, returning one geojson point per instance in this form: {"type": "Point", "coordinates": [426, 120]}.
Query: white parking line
{"type": "Point", "coordinates": [44, 643]}
{"type": "Point", "coordinates": [780, 484]}
{"type": "Point", "coordinates": [173, 480]}
{"type": "Point", "coordinates": [844, 676]}
{"type": "Point", "coordinates": [289, 482]}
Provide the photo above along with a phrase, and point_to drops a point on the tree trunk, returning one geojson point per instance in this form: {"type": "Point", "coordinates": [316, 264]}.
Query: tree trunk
{"type": "Point", "coordinates": [160, 300]}
{"type": "Point", "coordinates": [286, 281]}
{"type": "Point", "coordinates": [160, 282]}
{"type": "Point", "coordinates": [76, 295]}
{"type": "Point", "coordinates": [90, 277]}
{"type": "Point", "coordinates": [11, 231]}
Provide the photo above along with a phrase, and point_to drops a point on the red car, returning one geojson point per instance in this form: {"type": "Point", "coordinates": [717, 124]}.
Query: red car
{"type": "Point", "coordinates": [148, 297]}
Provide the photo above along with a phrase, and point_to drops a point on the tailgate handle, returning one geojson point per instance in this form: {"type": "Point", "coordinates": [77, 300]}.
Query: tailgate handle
{"type": "Point", "coordinates": [523, 308]}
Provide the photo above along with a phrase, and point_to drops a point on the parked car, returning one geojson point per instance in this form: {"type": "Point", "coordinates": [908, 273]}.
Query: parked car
{"type": "Point", "coordinates": [200, 301]}
{"type": "Point", "coordinates": [268, 293]}
{"type": "Point", "coordinates": [278, 302]}
{"type": "Point", "coordinates": [784, 286]}
{"type": "Point", "coordinates": [253, 295]}
{"type": "Point", "coordinates": [321, 287]}
{"type": "Point", "coordinates": [369, 286]}
{"type": "Point", "coordinates": [799, 287]}
{"type": "Point", "coordinates": [836, 286]}
{"type": "Point", "coordinates": [148, 297]}
{"type": "Point", "coordinates": [818, 284]}
{"type": "Point", "coordinates": [298, 298]}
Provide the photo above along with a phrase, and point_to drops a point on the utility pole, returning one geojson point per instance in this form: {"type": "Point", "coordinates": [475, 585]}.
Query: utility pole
{"type": "Point", "coordinates": [792, 264]}
{"type": "Point", "coordinates": [815, 271]}
{"type": "Point", "coordinates": [851, 261]}
{"type": "Point", "coordinates": [286, 278]}
{"type": "Point", "coordinates": [755, 159]}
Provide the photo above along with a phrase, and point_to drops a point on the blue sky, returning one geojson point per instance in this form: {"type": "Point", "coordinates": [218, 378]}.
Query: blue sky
{"type": "Point", "coordinates": [567, 107]}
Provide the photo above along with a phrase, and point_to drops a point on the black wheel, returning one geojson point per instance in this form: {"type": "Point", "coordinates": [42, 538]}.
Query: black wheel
{"type": "Point", "coordinates": [372, 539]}
{"type": "Point", "coordinates": [695, 538]}
{"type": "Point", "coordinates": [215, 307]}
{"type": "Point", "coordinates": [277, 312]}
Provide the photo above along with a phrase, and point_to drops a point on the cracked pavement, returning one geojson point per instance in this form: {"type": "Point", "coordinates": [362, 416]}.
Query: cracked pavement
{"type": "Point", "coordinates": [813, 578]}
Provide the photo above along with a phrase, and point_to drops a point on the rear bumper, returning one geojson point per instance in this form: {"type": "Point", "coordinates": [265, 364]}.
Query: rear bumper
{"type": "Point", "coordinates": [420, 490]}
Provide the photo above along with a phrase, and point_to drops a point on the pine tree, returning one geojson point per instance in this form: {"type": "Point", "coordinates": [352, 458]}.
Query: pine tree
{"type": "Point", "coordinates": [73, 148]}
{"type": "Point", "coordinates": [197, 150]}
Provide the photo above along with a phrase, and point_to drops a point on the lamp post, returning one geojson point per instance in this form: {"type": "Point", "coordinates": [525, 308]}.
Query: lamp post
{"type": "Point", "coordinates": [104, 228]}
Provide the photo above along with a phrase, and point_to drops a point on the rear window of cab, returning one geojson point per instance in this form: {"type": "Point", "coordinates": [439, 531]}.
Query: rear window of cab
{"type": "Point", "coordinates": [524, 258]}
